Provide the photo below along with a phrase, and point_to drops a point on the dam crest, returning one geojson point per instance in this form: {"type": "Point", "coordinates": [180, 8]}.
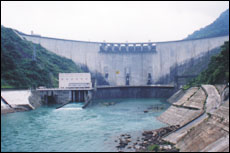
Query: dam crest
{"type": "Point", "coordinates": [134, 64]}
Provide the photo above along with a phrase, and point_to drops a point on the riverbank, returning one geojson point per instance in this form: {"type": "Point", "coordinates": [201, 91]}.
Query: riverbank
{"type": "Point", "coordinates": [198, 122]}
{"type": "Point", "coordinates": [150, 141]}
{"type": "Point", "coordinates": [204, 131]}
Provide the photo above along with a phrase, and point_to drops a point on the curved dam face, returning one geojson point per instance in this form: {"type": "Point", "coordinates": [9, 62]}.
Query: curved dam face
{"type": "Point", "coordinates": [131, 63]}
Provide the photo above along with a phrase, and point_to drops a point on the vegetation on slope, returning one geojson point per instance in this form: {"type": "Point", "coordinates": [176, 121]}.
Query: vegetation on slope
{"type": "Point", "coordinates": [220, 27]}
{"type": "Point", "coordinates": [217, 71]}
{"type": "Point", "coordinates": [19, 70]}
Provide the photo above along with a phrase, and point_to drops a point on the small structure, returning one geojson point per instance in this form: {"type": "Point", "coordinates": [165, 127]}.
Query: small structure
{"type": "Point", "coordinates": [74, 80]}
{"type": "Point", "coordinates": [73, 87]}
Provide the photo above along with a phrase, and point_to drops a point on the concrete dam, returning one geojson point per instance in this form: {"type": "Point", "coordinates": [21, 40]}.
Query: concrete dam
{"type": "Point", "coordinates": [134, 64]}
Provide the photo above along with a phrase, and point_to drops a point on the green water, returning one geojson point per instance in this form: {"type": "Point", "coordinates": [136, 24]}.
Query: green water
{"type": "Point", "coordinates": [74, 129]}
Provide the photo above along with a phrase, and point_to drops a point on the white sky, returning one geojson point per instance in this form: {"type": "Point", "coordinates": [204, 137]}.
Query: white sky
{"type": "Point", "coordinates": [111, 21]}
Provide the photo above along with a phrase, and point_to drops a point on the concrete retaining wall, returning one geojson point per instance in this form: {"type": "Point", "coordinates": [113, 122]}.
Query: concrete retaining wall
{"type": "Point", "coordinates": [19, 100]}
{"type": "Point", "coordinates": [58, 96]}
{"type": "Point", "coordinates": [133, 92]}
{"type": "Point", "coordinates": [207, 133]}
{"type": "Point", "coordinates": [63, 96]}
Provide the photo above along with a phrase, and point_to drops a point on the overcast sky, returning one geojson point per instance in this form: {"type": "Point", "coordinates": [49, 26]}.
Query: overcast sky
{"type": "Point", "coordinates": [111, 21]}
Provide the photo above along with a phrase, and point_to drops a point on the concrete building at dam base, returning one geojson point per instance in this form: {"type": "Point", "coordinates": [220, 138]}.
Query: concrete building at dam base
{"type": "Point", "coordinates": [75, 80]}
{"type": "Point", "coordinates": [133, 64]}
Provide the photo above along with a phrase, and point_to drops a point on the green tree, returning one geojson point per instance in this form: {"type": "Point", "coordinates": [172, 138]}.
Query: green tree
{"type": "Point", "coordinates": [19, 70]}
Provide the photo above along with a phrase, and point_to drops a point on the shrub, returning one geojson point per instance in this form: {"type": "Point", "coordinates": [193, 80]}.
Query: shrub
{"type": "Point", "coordinates": [153, 148]}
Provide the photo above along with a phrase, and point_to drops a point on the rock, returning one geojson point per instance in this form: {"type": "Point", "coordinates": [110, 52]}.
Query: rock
{"type": "Point", "coordinates": [138, 147]}
{"type": "Point", "coordinates": [128, 140]}
{"type": "Point", "coordinates": [161, 147]}
{"type": "Point", "coordinates": [154, 134]}
{"type": "Point", "coordinates": [123, 144]}
{"type": "Point", "coordinates": [225, 94]}
{"type": "Point", "coordinates": [148, 132]}
{"type": "Point", "coordinates": [7, 110]}
{"type": "Point", "coordinates": [108, 103]}
{"type": "Point", "coordinates": [145, 139]}
{"type": "Point", "coordinates": [148, 138]}
{"type": "Point", "coordinates": [165, 147]}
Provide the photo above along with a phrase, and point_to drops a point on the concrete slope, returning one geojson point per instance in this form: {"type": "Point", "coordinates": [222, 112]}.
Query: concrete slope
{"type": "Point", "coordinates": [210, 131]}
{"type": "Point", "coordinates": [19, 100]}
{"type": "Point", "coordinates": [5, 108]}
{"type": "Point", "coordinates": [176, 96]}
{"type": "Point", "coordinates": [213, 101]}
{"type": "Point", "coordinates": [177, 135]}
{"type": "Point", "coordinates": [212, 134]}
{"type": "Point", "coordinates": [221, 145]}
{"type": "Point", "coordinates": [188, 107]}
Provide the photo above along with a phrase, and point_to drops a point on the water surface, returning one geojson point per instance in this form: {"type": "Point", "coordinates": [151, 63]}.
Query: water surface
{"type": "Point", "coordinates": [72, 128]}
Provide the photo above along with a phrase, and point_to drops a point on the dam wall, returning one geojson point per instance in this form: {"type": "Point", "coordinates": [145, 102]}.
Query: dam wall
{"type": "Point", "coordinates": [131, 63]}
{"type": "Point", "coordinates": [60, 96]}
{"type": "Point", "coordinates": [133, 92]}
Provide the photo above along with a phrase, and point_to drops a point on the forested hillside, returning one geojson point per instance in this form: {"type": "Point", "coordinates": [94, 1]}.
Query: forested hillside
{"type": "Point", "coordinates": [19, 69]}
{"type": "Point", "coordinates": [217, 71]}
{"type": "Point", "coordinates": [220, 27]}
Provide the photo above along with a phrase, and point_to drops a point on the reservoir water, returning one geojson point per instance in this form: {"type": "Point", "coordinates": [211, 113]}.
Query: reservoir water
{"type": "Point", "coordinates": [72, 128]}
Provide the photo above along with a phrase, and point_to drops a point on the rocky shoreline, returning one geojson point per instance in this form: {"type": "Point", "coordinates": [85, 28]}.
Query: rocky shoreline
{"type": "Point", "coordinates": [151, 141]}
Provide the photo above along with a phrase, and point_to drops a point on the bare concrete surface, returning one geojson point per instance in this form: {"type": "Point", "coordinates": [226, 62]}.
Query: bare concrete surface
{"type": "Point", "coordinates": [178, 114]}
{"type": "Point", "coordinates": [206, 133]}
{"type": "Point", "coordinates": [213, 100]}
{"type": "Point", "coordinates": [19, 100]}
